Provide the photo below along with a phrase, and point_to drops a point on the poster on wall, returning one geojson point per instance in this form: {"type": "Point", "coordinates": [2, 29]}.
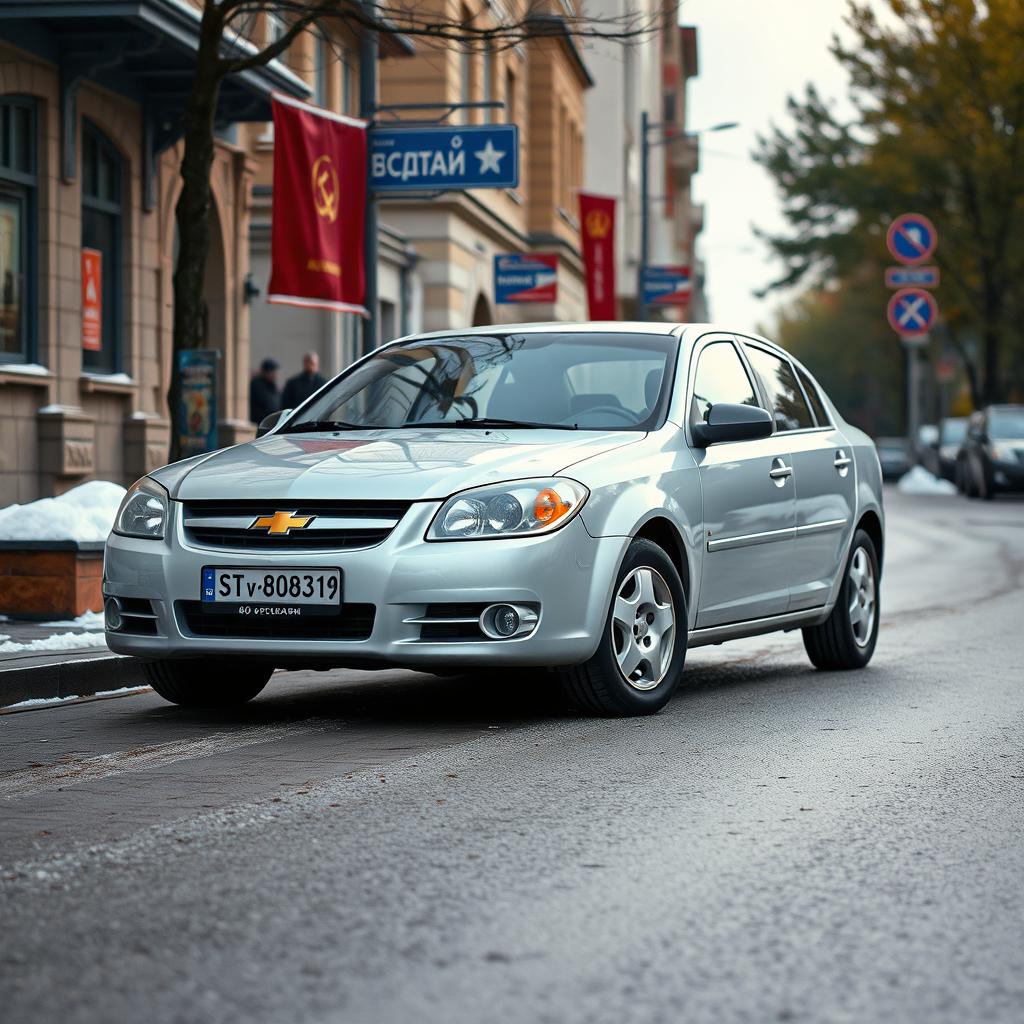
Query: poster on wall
{"type": "Point", "coordinates": [526, 277]}
{"type": "Point", "coordinates": [197, 410]}
{"type": "Point", "coordinates": [92, 299]}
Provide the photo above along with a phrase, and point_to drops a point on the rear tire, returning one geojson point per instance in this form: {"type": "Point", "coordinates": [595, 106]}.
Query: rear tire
{"type": "Point", "coordinates": [639, 661]}
{"type": "Point", "coordinates": [847, 638]}
{"type": "Point", "coordinates": [206, 683]}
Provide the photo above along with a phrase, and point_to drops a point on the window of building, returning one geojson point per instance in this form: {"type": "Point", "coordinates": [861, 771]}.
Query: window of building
{"type": "Point", "coordinates": [321, 69]}
{"type": "Point", "coordinates": [721, 377]}
{"type": "Point", "coordinates": [347, 90]}
{"type": "Point", "coordinates": [103, 232]}
{"type": "Point", "coordinates": [273, 27]}
{"type": "Point", "coordinates": [17, 229]}
{"type": "Point", "coordinates": [787, 400]}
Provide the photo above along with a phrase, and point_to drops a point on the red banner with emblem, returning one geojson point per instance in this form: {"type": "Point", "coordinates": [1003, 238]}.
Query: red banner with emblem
{"type": "Point", "coordinates": [318, 208]}
{"type": "Point", "coordinates": [597, 228]}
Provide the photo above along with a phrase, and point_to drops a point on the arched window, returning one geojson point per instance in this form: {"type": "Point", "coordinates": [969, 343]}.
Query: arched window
{"type": "Point", "coordinates": [17, 229]}
{"type": "Point", "coordinates": [103, 233]}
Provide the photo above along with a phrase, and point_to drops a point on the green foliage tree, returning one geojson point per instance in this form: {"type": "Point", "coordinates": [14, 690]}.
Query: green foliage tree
{"type": "Point", "coordinates": [938, 92]}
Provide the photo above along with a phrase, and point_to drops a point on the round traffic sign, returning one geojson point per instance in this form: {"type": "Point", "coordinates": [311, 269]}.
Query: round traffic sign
{"type": "Point", "coordinates": [911, 238]}
{"type": "Point", "coordinates": [912, 312]}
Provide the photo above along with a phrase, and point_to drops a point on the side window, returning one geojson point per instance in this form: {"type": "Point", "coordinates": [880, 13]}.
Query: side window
{"type": "Point", "coordinates": [814, 397]}
{"type": "Point", "coordinates": [787, 400]}
{"type": "Point", "coordinates": [720, 377]}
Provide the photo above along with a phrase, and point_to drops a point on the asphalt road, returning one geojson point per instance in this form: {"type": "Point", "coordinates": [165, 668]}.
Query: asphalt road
{"type": "Point", "coordinates": [778, 845]}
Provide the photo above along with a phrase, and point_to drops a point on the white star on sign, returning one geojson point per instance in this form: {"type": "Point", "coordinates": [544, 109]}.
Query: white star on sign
{"type": "Point", "coordinates": [489, 157]}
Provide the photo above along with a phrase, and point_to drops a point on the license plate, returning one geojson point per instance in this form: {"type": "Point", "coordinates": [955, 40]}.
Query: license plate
{"type": "Point", "coordinates": [301, 589]}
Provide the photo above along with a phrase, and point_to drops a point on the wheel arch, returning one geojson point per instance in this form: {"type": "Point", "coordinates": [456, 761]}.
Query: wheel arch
{"type": "Point", "coordinates": [663, 532]}
{"type": "Point", "coordinates": [871, 524]}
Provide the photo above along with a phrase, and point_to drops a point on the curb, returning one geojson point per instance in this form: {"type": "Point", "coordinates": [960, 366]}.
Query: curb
{"type": "Point", "coordinates": [78, 678]}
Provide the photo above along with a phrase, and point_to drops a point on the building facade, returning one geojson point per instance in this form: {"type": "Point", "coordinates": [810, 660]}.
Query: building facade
{"type": "Point", "coordinates": [541, 82]}
{"type": "Point", "coordinates": [649, 74]}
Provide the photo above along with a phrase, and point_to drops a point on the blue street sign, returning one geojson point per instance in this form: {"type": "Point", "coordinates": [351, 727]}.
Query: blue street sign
{"type": "Point", "coordinates": [912, 238]}
{"type": "Point", "coordinates": [666, 286]}
{"type": "Point", "coordinates": [912, 277]}
{"type": "Point", "coordinates": [912, 312]}
{"type": "Point", "coordinates": [519, 277]}
{"type": "Point", "coordinates": [426, 159]}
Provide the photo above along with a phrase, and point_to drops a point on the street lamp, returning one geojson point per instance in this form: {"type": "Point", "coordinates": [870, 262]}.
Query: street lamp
{"type": "Point", "coordinates": [671, 132]}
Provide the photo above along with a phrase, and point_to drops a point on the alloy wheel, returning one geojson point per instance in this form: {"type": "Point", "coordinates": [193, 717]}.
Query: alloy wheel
{"type": "Point", "coordinates": [861, 592]}
{"type": "Point", "coordinates": [643, 628]}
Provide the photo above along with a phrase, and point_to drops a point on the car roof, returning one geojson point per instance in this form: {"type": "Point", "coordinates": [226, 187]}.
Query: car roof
{"type": "Point", "coordinates": [686, 332]}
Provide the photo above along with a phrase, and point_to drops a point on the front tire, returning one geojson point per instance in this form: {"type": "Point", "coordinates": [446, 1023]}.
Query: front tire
{"type": "Point", "coordinates": [639, 661]}
{"type": "Point", "coordinates": [846, 639]}
{"type": "Point", "coordinates": [207, 683]}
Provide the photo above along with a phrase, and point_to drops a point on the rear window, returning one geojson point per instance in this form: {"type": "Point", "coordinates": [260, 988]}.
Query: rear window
{"type": "Point", "coordinates": [814, 397]}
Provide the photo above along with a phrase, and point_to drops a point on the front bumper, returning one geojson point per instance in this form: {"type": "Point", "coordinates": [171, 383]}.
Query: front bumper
{"type": "Point", "coordinates": [568, 574]}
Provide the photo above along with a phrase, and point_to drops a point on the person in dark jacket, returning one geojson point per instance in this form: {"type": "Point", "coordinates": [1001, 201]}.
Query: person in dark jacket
{"type": "Point", "coordinates": [302, 385]}
{"type": "Point", "coordinates": [264, 398]}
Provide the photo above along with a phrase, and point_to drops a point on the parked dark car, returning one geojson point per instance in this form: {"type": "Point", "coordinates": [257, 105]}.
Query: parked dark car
{"type": "Point", "coordinates": [940, 458]}
{"type": "Point", "coordinates": [991, 458]}
{"type": "Point", "coordinates": [892, 454]}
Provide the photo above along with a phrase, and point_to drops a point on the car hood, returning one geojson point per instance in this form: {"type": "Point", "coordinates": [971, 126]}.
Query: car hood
{"type": "Point", "coordinates": [406, 465]}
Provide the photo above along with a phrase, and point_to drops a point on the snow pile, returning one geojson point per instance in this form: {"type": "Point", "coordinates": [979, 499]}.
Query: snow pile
{"type": "Point", "coordinates": [87, 620]}
{"type": "Point", "coordinates": [920, 482]}
{"type": "Point", "coordinates": [57, 642]}
{"type": "Point", "coordinates": [85, 513]}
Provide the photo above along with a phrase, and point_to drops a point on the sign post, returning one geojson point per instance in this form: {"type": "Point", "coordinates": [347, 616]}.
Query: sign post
{"type": "Point", "coordinates": [912, 311]}
{"type": "Point", "coordinates": [197, 412]}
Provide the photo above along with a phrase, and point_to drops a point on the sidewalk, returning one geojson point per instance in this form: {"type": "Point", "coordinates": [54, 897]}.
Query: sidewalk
{"type": "Point", "coordinates": [64, 658]}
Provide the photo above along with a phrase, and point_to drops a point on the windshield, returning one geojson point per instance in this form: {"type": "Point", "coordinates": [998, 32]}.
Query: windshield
{"type": "Point", "coordinates": [953, 431]}
{"type": "Point", "coordinates": [1006, 424]}
{"type": "Point", "coordinates": [570, 381]}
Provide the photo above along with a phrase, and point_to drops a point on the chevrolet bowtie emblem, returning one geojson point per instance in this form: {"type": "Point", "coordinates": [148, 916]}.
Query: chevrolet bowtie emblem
{"type": "Point", "coordinates": [281, 522]}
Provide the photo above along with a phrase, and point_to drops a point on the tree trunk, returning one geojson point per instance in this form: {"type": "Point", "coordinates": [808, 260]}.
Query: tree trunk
{"type": "Point", "coordinates": [991, 391]}
{"type": "Point", "coordinates": [192, 212]}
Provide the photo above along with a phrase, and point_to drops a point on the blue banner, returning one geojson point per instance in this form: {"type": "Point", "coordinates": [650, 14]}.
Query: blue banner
{"type": "Point", "coordinates": [426, 159]}
{"type": "Point", "coordinates": [197, 411]}
{"type": "Point", "coordinates": [519, 277]}
{"type": "Point", "coordinates": [666, 286]}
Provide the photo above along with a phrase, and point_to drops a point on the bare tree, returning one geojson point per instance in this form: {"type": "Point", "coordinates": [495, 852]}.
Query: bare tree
{"type": "Point", "coordinates": [226, 34]}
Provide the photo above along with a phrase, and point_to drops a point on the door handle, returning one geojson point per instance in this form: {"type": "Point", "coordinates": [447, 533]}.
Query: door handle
{"type": "Point", "coordinates": [842, 462]}
{"type": "Point", "coordinates": [780, 472]}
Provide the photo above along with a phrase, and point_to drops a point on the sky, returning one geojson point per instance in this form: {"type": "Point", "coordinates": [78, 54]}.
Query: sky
{"type": "Point", "coordinates": [752, 55]}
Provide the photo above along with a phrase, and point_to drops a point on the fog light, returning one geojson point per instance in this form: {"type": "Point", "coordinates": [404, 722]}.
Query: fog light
{"type": "Point", "coordinates": [112, 613]}
{"type": "Point", "coordinates": [505, 621]}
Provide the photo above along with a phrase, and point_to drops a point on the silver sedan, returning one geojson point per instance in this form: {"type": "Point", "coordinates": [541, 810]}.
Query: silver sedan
{"type": "Point", "coordinates": [593, 499]}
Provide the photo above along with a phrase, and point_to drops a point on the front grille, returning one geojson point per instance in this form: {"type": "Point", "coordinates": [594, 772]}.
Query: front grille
{"type": "Point", "coordinates": [355, 622]}
{"type": "Point", "coordinates": [335, 525]}
{"type": "Point", "coordinates": [445, 624]}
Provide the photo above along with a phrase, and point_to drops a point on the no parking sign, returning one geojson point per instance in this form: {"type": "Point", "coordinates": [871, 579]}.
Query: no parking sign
{"type": "Point", "coordinates": [912, 312]}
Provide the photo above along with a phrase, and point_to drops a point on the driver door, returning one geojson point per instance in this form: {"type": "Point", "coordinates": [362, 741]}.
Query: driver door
{"type": "Point", "coordinates": [749, 508]}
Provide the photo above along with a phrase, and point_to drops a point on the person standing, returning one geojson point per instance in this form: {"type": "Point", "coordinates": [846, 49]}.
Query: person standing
{"type": "Point", "coordinates": [264, 398]}
{"type": "Point", "coordinates": [302, 385]}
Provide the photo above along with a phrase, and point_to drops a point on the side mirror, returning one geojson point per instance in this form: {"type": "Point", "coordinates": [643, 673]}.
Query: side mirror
{"type": "Point", "coordinates": [727, 422]}
{"type": "Point", "coordinates": [268, 423]}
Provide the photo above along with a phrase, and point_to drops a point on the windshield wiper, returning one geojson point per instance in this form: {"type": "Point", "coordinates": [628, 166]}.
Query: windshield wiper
{"type": "Point", "coordinates": [312, 426]}
{"type": "Point", "coordinates": [492, 421]}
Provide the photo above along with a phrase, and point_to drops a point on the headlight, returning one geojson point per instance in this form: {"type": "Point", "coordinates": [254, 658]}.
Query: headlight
{"type": "Point", "coordinates": [521, 508]}
{"type": "Point", "coordinates": [143, 513]}
{"type": "Point", "coordinates": [1004, 452]}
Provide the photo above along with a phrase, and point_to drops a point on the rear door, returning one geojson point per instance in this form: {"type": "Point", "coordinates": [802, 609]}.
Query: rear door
{"type": "Point", "coordinates": [824, 476]}
{"type": "Point", "coordinates": [749, 511]}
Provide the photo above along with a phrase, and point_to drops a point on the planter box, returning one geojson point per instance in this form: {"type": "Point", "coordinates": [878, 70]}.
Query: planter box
{"type": "Point", "coordinates": [50, 579]}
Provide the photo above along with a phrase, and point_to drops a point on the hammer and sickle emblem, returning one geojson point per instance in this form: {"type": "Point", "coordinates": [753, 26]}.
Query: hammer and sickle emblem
{"type": "Point", "coordinates": [598, 224]}
{"type": "Point", "coordinates": [325, 188]}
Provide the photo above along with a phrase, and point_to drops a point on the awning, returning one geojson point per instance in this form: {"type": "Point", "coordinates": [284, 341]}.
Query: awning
{"type": "Point", "coordinates": [142, 49]}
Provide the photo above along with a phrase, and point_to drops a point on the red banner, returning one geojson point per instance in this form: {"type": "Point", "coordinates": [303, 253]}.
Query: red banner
{"type": "Point", "coordinates": [318, 209]}
{"type": "Point", "coordinates": [597, 227]}
{"type": "Point", "coordinates": [92, 299]}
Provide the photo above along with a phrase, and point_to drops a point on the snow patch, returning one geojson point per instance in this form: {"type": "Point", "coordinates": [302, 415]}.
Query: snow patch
{"type": "Point", "coordinates": [40, 702]}
{"type": "Point", "coordinates": [87, 620]}
{"type": "Point", "coordinates": [57, 642]}
{"type": "Point", "coordinates": [84, 514]}
{"type": "Point", "coordinates": [920, 482]}
{"type": "Point", "coordinates": [29, 369]}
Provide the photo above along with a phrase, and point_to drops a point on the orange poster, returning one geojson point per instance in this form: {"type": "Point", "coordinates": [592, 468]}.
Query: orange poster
{"type": "Point", "coordinates": [92, 299]}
